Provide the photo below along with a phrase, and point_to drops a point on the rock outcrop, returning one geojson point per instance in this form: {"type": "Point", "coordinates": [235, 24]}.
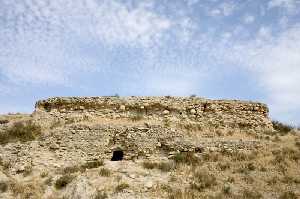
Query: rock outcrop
{"type": "Point", "coordinates": [208, 114]}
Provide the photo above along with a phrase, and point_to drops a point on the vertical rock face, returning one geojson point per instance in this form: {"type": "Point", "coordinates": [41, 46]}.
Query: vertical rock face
{"type": "Point", "coordinates": [208, 114]}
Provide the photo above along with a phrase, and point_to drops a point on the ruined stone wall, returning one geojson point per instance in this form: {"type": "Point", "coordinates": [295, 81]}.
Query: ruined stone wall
{"type": "Point", "coordinates": [230, 114]}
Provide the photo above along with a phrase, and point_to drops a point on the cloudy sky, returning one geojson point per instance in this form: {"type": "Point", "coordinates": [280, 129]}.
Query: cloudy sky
{"type": "Point", "coordinates": [232, 49]}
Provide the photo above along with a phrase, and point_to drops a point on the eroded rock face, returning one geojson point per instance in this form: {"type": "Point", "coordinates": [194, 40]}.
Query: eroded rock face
{"type": "Point", "coordinates": [215, 114]}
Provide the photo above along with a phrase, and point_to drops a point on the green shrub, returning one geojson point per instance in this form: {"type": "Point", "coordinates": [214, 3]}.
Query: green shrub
{"type": "Point", "coordinates": [63, 181]}
{"type": "Point", "coordinates": [20, 131]}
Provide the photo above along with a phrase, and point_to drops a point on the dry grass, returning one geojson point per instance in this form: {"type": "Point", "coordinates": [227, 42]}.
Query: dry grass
{"type": "Point", "coordinates": [3, 187]}
{"type": "Point", "coordinates": [122, 186]}
{"type": "Point", "coordinates": [203, 180]}
{"type": "Point", "coordinates": [104, 172]}
{"type": "Point", "coordinates": [63, 181]}
{"type": "Point", "coordinates": [163, 166]}
{"type": "Point", "coordinates": [20, 131]}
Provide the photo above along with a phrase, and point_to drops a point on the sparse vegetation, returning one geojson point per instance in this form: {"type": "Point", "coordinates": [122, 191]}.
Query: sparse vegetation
{"type": "Point", "coordinates": [100, 195]}
{"type": "Point", "coordinates": [203, 180]}
{"type": "Point", "coordinates": [281, 128]}
{"type": "Point", "coordinates": [186, 158]}
{"type": "Point", "coordinates": [288, 195]}
{"type": "Point", "coordinates": [163, 166]}
{"type": "Point", "coordinates": [122, 186]}
{"type": "Point", "coordinates": [249, 194]}
{"type": "Point", "coordinates": [63, 181]}
{"type": "Point", "coordinates": [20, 131]}
{"type": "Point", "coordinates": [137, 117]}
{"type": "Point", "coordinates": [92, 164]}
{"type": "Point", "coordinates": [104, 172]}
{"type": "Point", "coordinates": [3, 186]}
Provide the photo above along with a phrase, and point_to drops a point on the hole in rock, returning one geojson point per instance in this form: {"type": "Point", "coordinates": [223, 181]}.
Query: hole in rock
{"type": "Point", "coordinates": [117, 156]}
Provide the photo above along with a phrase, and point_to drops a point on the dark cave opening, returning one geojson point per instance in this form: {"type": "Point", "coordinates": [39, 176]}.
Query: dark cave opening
{"type": "Point", "coordinates": [117, 156]}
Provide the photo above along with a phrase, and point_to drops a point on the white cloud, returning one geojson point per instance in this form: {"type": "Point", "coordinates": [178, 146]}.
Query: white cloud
{"type": "Point", "coordinates": [248, 19]}
{"type": "Point", "coordinates": [290, 5]}
{"type": "Point", "coordinates": [275, 61]}
{"type": "Point", "coordinates": [41, 39]}
{"type": "Point", "coordinates": [224, 9]}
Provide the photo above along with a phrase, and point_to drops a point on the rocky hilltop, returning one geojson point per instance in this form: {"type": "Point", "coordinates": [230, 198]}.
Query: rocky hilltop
{"type": "Point", "coordinates": [147, 147]}
{"type": "Point", "coordinates": [215, 114]}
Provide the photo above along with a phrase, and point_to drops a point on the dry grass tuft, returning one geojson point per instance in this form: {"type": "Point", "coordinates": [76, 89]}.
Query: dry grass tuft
{"type": "Point", "coordinates": [20, 131]}
{"type": "Point", "coordinates": [63, 181]}
{"type": "Point", "coordinates": [122, 186]}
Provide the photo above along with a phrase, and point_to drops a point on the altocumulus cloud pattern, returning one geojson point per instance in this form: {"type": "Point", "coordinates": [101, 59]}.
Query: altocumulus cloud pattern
{"type": "Point", "coordinates": [219, 49]}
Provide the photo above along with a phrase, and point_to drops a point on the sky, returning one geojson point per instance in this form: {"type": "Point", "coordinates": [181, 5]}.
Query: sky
{"type": "Point", "coordinates": [218, 49]}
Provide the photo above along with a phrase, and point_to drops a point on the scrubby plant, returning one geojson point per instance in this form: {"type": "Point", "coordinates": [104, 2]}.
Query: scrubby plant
{"type": "Point", "coordinates": [72, 169]}
{"type": "Point", "coordinates": [281, 127]}
{"type": "Point", "coordinates": [63, 181]}
{"type": "Point", "coordinates": [27, 170]}
{"type": "Point", "coordinates": [149, 165]}
{"type": "Point", "coordinates": [92, 164]}
{"type": "Point", "coordinates": [249, 194]}
{"type": "Point", "coordinates": [100, 195]}
{"type": "Point", "coordinates": [137, 117]}
{"type": "Point", "coordinates": [203, 180]}
{"type": "Point", "coordinates": [165, 166]}
{"type": "Point", "coordinates": [104, 172]}
{"type": "Point", "coordinates": [20, 131]}
{"type": "Point", "coordinates": [3, 187]}
{"type": "Point", "coordinates": [122, 186]}
{"type": "Point", "coordinates": [181, 194]}
{"type": "Point", "coordinates": [288, 195]}
{"type": "Point", "coordinates": [186, 158]}
{"type": "Point", "coordinates": [4, 121]}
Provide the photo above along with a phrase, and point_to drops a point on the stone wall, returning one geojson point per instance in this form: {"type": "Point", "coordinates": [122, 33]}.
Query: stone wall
{"type": "Point", "coordinates": [229, 114]}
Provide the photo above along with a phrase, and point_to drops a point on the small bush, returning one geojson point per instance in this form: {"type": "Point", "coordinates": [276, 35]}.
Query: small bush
{"type": "Point", "coordinates": [4, 121]}
{"type": "Point", "coordinates": [165, 166]}
{"type": "Point", "coordinates": [281, 128]}
{"type": "Point", "coordinates": [149, 165]}
{"type": "Point", "coordinates": [137, 117]}
{"type": "Point", "coordinates": [104, 172]}
{"type": "Point", "coordinates": [248, 194]}
{"type": "Point", "coordinates": [181, 194]}
{"type": "Point", "coordinates": [92, 164]}
{"type": "Point", "coordinates": [186, 158]}
{"type": "Point", "coordinates": [121, 187]}
{"type": "Point", "coordinates": [20, 131]}
{"type": "Point", "coordinates": [27, 170]}
{"type": "Point", "coordinates": [203, 180]}
{"type": "Point", "coordinates": [3, 187]}
{"type": "Point", "coordinates": [63, 181]}
{"type": "Point", "coordinates": [44, 174]}
{"type": "Point", "coordinates": [288, 195]}
{"type": "Point", "coordinates": [100, 195]}
{"type": "Point", "coordinates": [71, 169]}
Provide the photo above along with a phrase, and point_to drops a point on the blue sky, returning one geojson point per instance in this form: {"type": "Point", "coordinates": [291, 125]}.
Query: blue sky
{"type": "Point", "coordinates": [232, 49]}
